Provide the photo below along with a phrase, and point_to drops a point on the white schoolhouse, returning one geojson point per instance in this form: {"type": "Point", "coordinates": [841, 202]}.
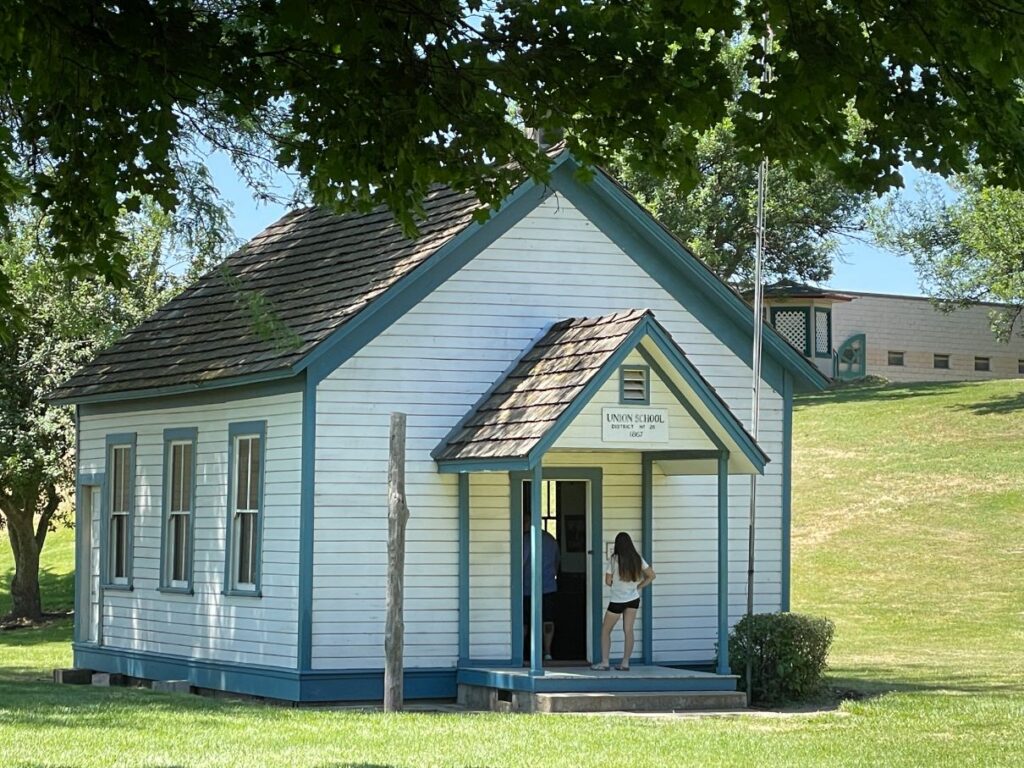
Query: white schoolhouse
{"type": "Point", "coordinates": [568, 359]}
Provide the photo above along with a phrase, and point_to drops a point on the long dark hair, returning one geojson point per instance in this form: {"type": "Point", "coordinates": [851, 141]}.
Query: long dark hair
{"type": "Point", "coordinates": [631, 567]}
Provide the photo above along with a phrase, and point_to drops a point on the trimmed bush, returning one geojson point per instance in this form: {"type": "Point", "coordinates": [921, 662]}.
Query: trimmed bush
{"type": "Point", "coordinates": [788, 651]}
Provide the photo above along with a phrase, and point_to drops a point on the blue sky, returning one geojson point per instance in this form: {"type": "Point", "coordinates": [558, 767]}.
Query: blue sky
{"type": "Point", "coordinates": [861, 267]}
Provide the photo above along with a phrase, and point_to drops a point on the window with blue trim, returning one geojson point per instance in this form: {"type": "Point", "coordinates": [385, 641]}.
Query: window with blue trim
{"type": "Point", "coordinates": [635, 385]}
{"type": "Point", "coordinates": [179, 507]}
{"type": "Point", "coordinates": [245, 506]}
{"type": "Point", "coordinates": [120, 510]}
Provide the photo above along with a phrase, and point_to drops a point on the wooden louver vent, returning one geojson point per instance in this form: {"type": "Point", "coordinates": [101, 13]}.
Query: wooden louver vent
{"type": "Point", "coordinates": [634, 385]}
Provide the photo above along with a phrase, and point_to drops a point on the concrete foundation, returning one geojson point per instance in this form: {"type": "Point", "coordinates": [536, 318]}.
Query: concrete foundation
{"type": "Point", "coordinates": [107, 679]}
{"type": "Point", "coordinates": [72, 676]}
{"type": "Point", "coordinates": [498, 700]}
{"type": "Point", "coordinates": [172, 686]}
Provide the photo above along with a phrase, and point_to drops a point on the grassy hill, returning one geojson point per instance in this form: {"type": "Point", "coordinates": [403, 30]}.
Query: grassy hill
{"type": "Point", "coordinates": [908, 531]}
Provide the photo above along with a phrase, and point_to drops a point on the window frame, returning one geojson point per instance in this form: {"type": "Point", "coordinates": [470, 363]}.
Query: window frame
{"type": "Point", "coordinates": [646, 370]}
{"type": "Point", "coordinates": [236, 432]}
{"type": "Point", "coordinates": [826, 312]}
{"type": "Point", "coordinates": [987, 363]}
{"type": "Point", "coordinates": [903, 358]}
{"type": "Point", "coordinates": [174, 437]}
{"type": "Point", "coordinates": [935, 361]}
{"type": "Point", "coordinates": [107, 580]}
{"type": "Point", "coordinates": [1020, 366]}
{"type": "Point", "coordinates": [808, 335]}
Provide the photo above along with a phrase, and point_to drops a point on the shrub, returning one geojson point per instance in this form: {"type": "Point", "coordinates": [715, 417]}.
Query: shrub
{"type": "Point", "coordinates": [788, 652]}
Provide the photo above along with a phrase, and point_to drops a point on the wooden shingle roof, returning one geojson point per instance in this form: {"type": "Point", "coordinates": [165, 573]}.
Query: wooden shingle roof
{"type": "Point", "coordinates": [315, 270]}
{"type": "Point", "coordinates": [524, 405]}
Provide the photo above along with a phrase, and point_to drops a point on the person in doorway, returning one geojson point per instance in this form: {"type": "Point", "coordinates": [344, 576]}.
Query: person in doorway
{"type": "Point", "coordinates": [550, 552]}
{"type": "Point", "coordinates": [626, 573]}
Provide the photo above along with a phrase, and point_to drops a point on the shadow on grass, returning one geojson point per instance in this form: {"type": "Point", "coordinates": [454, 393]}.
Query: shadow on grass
{"type": "Point", "coordinates": [885, 392]}
{"type": "Point", "coordinates": [860, 688]}
{"type": "Point", "coordinates": [995, 406]}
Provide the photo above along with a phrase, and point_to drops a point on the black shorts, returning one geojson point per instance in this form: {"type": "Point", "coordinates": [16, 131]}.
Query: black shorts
{"type": "Point", "coordinates": [621, 607]}
{"type": "Point", "coordinates": [547, 608]}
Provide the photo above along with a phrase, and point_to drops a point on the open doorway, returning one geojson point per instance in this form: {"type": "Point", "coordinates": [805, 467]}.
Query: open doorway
{"type": "Point", "coordinates": [564, 515]}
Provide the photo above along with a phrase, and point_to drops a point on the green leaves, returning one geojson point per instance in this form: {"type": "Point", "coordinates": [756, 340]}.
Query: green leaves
{"type": "Point", "coordinates": [372, 103]}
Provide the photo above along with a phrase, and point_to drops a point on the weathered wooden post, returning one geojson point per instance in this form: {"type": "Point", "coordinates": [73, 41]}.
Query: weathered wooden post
{"type": "Point", "coordinates": [398, 517]}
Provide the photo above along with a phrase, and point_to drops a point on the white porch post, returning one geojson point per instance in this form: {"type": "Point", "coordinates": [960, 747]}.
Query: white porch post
{"type": "Point", "coordinates": [723, 563]}
{"type": "Point", "coordinates": [536, 576]}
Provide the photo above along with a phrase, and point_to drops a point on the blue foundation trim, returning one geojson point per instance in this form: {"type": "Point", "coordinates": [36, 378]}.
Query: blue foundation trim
{"type": "Point", "coordinates": [647, 550]}
{"type": "Point", "coordinates": [787, 489]}
{"type": "Point", "coordinates": [235, 430]}
{"type": "Point", "coordinates": [307, 522]}
{"type": "Point", "coordinates": [723, 564]}
{"type": "Point", "coordinates": [270, 682]}
{"type": "Point", "coordinates": [464, 501]}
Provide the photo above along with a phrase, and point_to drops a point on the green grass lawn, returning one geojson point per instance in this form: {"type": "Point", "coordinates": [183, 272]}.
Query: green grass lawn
{"type": "Point", "coordinates": [907, 533]}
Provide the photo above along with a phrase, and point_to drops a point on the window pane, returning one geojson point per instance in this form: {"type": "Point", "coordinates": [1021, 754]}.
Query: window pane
{"type": "Point", "coordinates": [254, 473]}
{"type": "Point", "coordinates": [175, 478]}
{"type": "Point", "coordinates": [125, 478]}
{"type": "Point", "coordinates": [242, 474]}
{"type": "Point", "coordinates": [119, 546]}
{"type": "Point", "coordinates": [186, 477]}
{"type": "Point", "coordinates": [246, 548]}
{"type": "Point", "coordinates": [179, 547]}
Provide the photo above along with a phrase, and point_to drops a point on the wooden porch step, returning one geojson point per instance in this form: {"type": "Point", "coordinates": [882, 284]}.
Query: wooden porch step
{"type": "Point", "coordinates": [658, 701]}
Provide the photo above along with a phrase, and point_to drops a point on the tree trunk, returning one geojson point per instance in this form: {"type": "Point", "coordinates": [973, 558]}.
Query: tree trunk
{"type": "Point", "coordinates": [26, 600]}
{"type": "Point", "coordinates": [398, 517]}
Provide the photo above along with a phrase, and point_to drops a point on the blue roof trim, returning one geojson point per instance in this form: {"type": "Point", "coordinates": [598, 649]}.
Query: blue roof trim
{"type": "Point", "coordinates": [682, 274]}
{"type": "Point", "coordinates": [707, 395]}
{"type": "Point", "coordinates": [421, 282]}
{"type": "Point", "coordinates": [647, 328]}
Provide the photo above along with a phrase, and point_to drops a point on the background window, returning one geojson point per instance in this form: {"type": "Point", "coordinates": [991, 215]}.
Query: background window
{"type": "Point", "coordinates": [822, 332]}
{"type": "Point", "coordinates": [941, 361]}
{"type": "Point", "coordinates": [982, 364]}
{"type": "Point", "coordinates": [895, 358]}
{"type": "Point", "coordinates": [1020, 366]}
{"type": "Point", "coordinates": [795, 326]}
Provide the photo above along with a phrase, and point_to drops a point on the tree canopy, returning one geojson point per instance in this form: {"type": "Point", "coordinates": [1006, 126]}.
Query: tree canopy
{"type": "Point", "coordinates": [69, 322]}
{"type": "Point", "coordinates": [104, 103]}
{"type": "Point", "coordinates": [967, 246]}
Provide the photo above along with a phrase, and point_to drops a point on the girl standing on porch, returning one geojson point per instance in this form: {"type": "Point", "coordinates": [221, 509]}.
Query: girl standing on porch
{"type": "Point", "coordinates": [626, 573]}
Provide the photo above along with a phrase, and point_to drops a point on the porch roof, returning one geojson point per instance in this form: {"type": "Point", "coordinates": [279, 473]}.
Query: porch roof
{"type": "Point", "coordinates": [527, 409]}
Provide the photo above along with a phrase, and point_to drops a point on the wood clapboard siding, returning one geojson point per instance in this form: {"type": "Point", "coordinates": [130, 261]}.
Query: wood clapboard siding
{"type": "Point", "coordinates": [434, 363]}
{"type": "Point", "coordinates": [207, 625]}
{"type": "Point", "coordinates": [913, 326]}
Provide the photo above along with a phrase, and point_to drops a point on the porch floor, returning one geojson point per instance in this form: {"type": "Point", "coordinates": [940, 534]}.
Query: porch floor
{"type": "Point", "coordinates": [583, 679]}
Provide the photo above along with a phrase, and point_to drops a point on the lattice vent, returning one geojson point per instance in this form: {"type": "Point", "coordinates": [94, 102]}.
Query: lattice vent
{"type": "Point", "coordinates": [792, 324]}
{"type": "Point", "coordinates": [821, 334]}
